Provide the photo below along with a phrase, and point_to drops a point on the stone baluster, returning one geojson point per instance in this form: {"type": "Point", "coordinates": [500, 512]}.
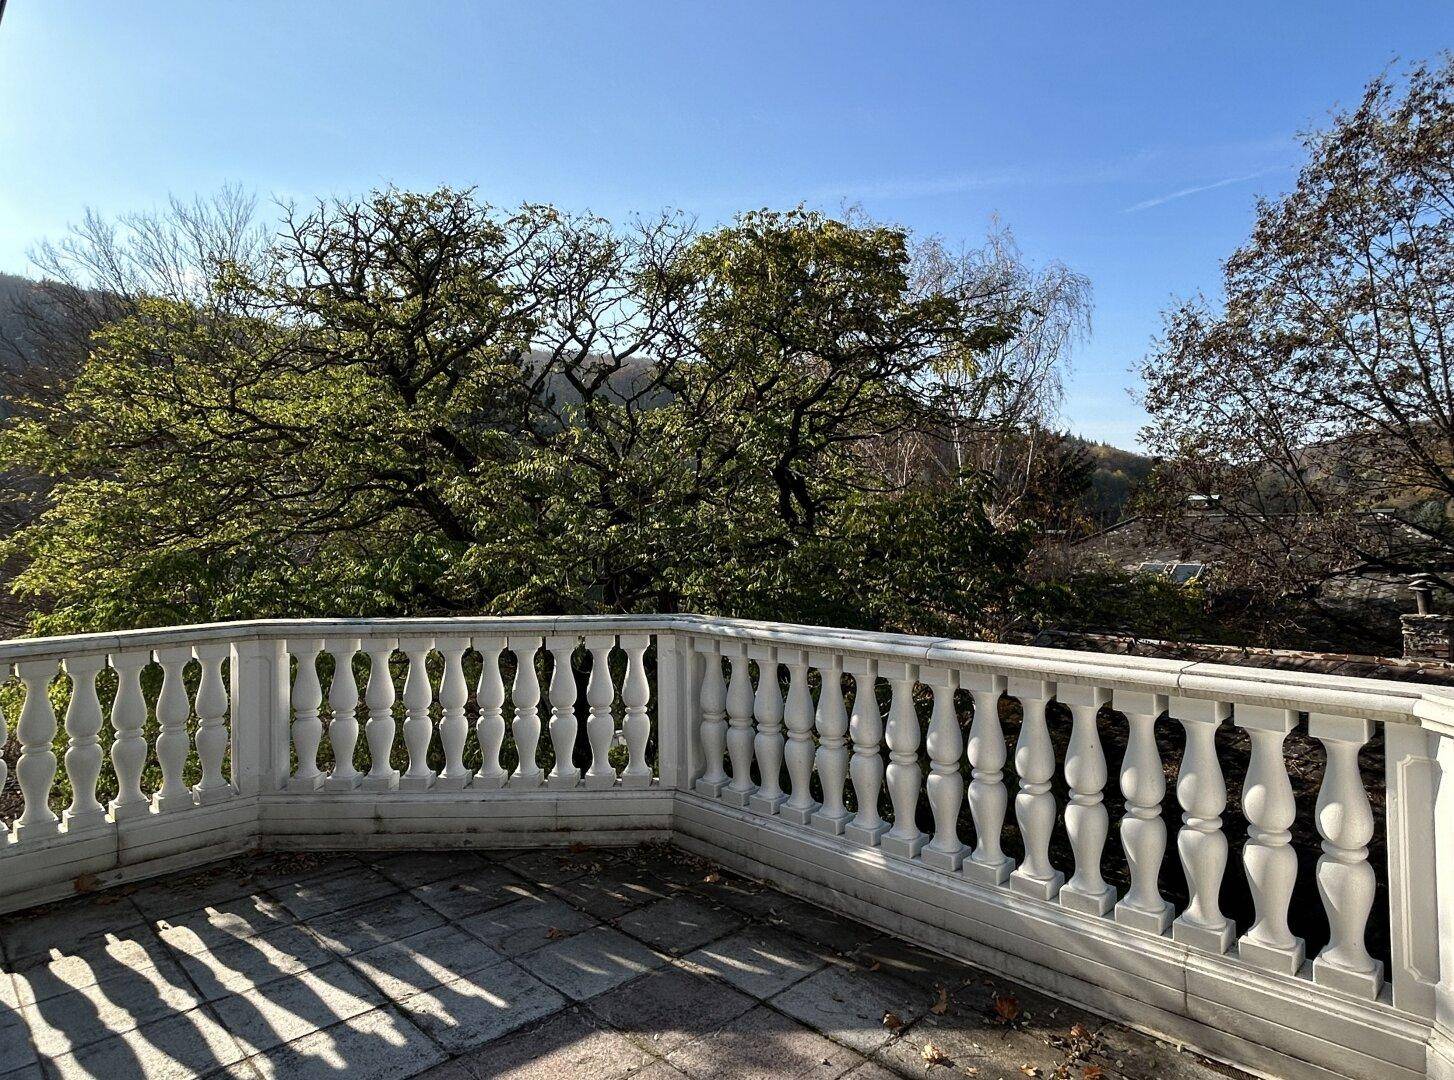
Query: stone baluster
{"type": "Point", "coordinates": [714, 720]}
{"type": "Point", "coordinates": [903, 775]}
{"type": "Point", "coordinates": [1143, 832]}
{"type": "Point", "coordinates": [739, 727]}
{"type": "Point", "coordinates": [1345, 879]}
{"type": "Point", "coordinates": [36, 769]}
{"type": "Point", "coordinates": [635, 722]}
{"type": "Point", "coordinates": [128, 749]}
{"type": "Point", "coordinates": [1034, 803]}
{"type": "Point", "coordinates": [83, 747]}
{"type": "Point", "coordinates": [379, 729]}
{"type": "Point", "coordinates": [343, 707]}
{"type": "Point", "coordinates": [767, 745]}
{"type": "Point", "coordinates": [866, 767]}
{"type": "Point", "coordinates": [1411, 784]}
{"type": "Point", "coordinates": [799, 752]}
{"type": "Point", "coordinates": [600, 724]}
{"type": "Point", "coordinates": [1271, 863]}
{"type": "Point", "coordinates": [4, 767]}
{"type": "Point", "coordinates": [418, 726]}
{"type": "Point", "coordinates": [987, 864]}
{"type": "Point", "coordinates": [1086, 820]}
{"type": "Point", "coordinates": [944, 742]}
{"type": "Point", "coordinates": [490, 725]}
{"type": "Point", "coordinates": [1202, 791]}
{"type": "Point", "coordinates": [307, 727]}
{"type": "Point", "coordinates": [562, 647]}
{"type": "Point", "coordinates": [831, 759]}
{"type": "Point", "coordinates": [525, 693]}
{"type": "Point", "coordinates": [212, 735]}
{"type": "Point", "coordinates": [174, 744]}
{"type": "Point", "coordinates": [453, 727]}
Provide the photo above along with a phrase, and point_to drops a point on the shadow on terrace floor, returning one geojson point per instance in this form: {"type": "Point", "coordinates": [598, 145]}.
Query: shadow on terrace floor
{"type": "Point", "coordinates": [643, 963]}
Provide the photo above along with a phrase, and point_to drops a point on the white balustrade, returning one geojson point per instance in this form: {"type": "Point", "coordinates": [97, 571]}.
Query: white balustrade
{"type": "Point", "coordinates": [36, 769]}
{"type": "Point", "coordinates": [600, 724]}
{"type": "Point", "coordinates": [988, 801]}
{"type": "Point", "coordinates": [174, 744]}
{"type": "Point", "coordinates": [799, 752]}
{"type": "Point", "coordinates": [212, 735]}
{"type": "Point", "coordinates": [418, 726]}
{"type": "Point", "coordinates": [831, 757]}
{"type": "Point", "coordinates": [767, 744]}
{"type": "Point", "coordinates": [307, 727]}
{"type": "Point", "coordinates": [713, 730]}
{"type": "Point", "coordinates": [1034, 803]}
{"type": "Point", "coordinates": [563, 774]}
{"type": "Point", "coordinates": [1268, 857]}
{"type": "Point", "coordinates": [453, 726]}
{"type": "Point", "coordinates": [945, 785]}
{"type": "Point", "coordinates": [1202, 791]}
{"type": "Point", "coordinates": [1143, 832]}
{"type": "Point", "coordinates": [739, 727]}
{"type": "Point", "coordinates": [866, 767]}
{"type": "Point", "coordinates": [635, 722]}
{"type": "Point", "coordinates": [1086, 820]}
{"type": "Point", "coordinates": [1346, 881]}
{"type": "Point", "coordinates": [343, 714]}
{"type": "Point", "coordinates": [903, 775]}
{"type": "Point", "coordinates": [379, 729]}
{"type": "Point", "coordinates": [83, 745]}
{"type": "Point", "coordinates": [490, 725]}
{"type": "Point", "coordinates": [525, 695]}
{"type": "Point", "coordinates": [128, 748]}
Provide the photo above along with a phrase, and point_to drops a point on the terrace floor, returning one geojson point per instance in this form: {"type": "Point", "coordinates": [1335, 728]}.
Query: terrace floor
{"type": "Point", "coordinates": [643, 963]}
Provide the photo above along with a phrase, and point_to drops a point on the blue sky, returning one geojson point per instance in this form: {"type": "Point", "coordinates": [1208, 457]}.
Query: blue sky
{"type": "Point", "coordinates": [1128, 140]}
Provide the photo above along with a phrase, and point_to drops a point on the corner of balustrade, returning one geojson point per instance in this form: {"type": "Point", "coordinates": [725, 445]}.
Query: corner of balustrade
{"type": "Point", "coordinates": [260, 714]}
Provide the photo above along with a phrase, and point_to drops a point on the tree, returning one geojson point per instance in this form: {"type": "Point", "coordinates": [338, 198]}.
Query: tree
{"type": "Point", "coordinates": [414, 402]}
{"type": "Point", "coordinates": [1322, 388]}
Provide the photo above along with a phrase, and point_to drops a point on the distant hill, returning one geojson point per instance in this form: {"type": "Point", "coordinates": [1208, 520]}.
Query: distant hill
{"type": "Point", "coordinates": [1117, 472]}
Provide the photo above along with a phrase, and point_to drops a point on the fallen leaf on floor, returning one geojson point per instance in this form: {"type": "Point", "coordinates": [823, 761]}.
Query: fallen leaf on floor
{"type": "Point", "coordinates": [555, 933]}
{"type": "Point", "coordinates": [892, 1021]}
{"type": "Point", "coordinates": [712, 879]}
{"type": "Point", "coordinates": [940, 1007]}
{"type": "Point", "coordinates": [874, 966]}
{"type": "Point", "coordinates": [1031, 1070]}
{"type": "Point", "coordinates": [935, 1056]}
{"type": "Point", "coordinates": [1080, 1031]}
{"type": "Point", "coordinates": [1007, 1008]}
{"type": "Point", "coordinates": [87, 883]}
{"type": "Point", "coordinates": [1092, 1072]}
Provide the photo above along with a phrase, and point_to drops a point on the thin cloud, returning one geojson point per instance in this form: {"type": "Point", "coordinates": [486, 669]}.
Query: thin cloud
{"type": "Point", "coordinates": [1197, 190]}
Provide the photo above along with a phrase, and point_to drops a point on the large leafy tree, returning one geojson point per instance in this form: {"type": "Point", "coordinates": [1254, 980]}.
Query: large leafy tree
{"type": "Point", "coordinates": [415, 402]}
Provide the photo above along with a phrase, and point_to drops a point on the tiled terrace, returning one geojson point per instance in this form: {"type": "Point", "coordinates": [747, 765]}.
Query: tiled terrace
{"type": "Point", "coordinates": [641, 962]}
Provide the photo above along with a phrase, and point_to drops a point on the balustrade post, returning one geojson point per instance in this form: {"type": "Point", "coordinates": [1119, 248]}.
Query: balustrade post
{"type": "Point", "coordinates": [866, 767]}
{"type": "Point", "coordinates": [677, 754]}
{"type": "Point", "coordinates": [4, 767]}
{"type": "Point", "coordinates": [343, 710]}
{"type": "Point", "coordinates": [563, 773]}
{"type": "Point", "coordinates": [1411, 782]}
{"type": "Point", "coordinates": [1346, 881]}
{"type": "Point", "coordinates": [379, 728]}
{"type": "Point", "coordinates": [945, 784]}
{"type": "Point", "coordinates": [767, 745]}
{"type": "Point", "coordinates": [83, 749]}
{"type": "Point", "coordinates": [739, 727]}
{"type": "Point", "coordinates": [600, 724]}
{"type": "Point", "coordinates": [988, 801]}
{"type": "Point", "coordinates": [1270, 862]}
{"type": "Point", "coordinates": [490, 725]}
{"type": "Point", "coordinates": [1439, 1058]}
{"type": "Point", "coordinates": [212, 736]}
{"type": "Point", "coordinates": [173, 745]}
{"type": "Point", "coordinates": [635, 721]}
{"type": "Point", "coordinates": [418, 726]}
{"type": "Point", "coordinates": [831, 758]}
{"type": "Point", "coordinates": [525, 694]}
{"type": "Point", "coordinates": [1201, 789]}
{"type": "Point", "coordinates": [453, 727]}
{"type": "Point", "coordinates": [904, 777]}
{"type": "Point", "coordinates": [307, 727]}
{"type": "Point", "coordinates": [1086, 820]}
{"type": "Point", "coordinates": [799, 752]}
{"type": "Point", "coordinates": [1143, 832]}
{"type": "Point", "coordinates": [714, 720]}
{"type": "Point", "coordinates": [1034, 803]}
{"type": "Point", "coordinates": [36, 769]}
{"type": "Point", "coordinates": [259, 707]}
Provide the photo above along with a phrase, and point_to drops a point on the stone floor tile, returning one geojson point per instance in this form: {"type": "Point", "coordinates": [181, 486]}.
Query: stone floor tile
{"type": "Point", "coordinates": [872, 1070]}
{"type": "Point", "coordinates": [377, 923]}
{"type": "Point", "coordinates": [16, 1050]}
{"type": "Point", "coordinates": [376, 1045]}
{"type": "Point", "coordinates": [470, 1011]}
{"type": "Point", "coordinates": [764, 1045]}
{"type": "Point", "coordinates": [254, 961]}
{"type": "Point", "coordinates": [330, 893]}
{"type": "Point", "coordinates": [659, 1070]}
{"type": "Point", "coordinates": [551, 867]}
{"type": "Point", "coordinates": [180, 1047]}
{"type": "Point", "coordinates": [758, 960]}
{"type": "Point", "coordinates": [910, 964]}
{"type": "Point", "coordinates": [604, 898]}
{"type": "Point", "coordinates": [527, 924]}
{"type": "Point", "coordinates": [424, 961]}
{"type": "Point", "coordinates": [217, 924]}
{"type": "Point", "coordinates": [478, 889]}
{"type": "Point", "coordinates": [285, 867]}
{"type": "Point", "coordinates": [42, 976]}
{"type": "Point", "coordinates": [66, 925]}
{"type": "Point", "coordinates": [569, 1044]}
{"type": "Point", "coordinates": [181, 893]}
{"type": "Point", "coordinates": [669, 864]}
{"type": "Point", "coordinates": [592, 962]}
{"type": "Point", "coordinates": [819, 926]}
{"type": "Point", "coordinates": [848, 1005]}
{"type": "Point", "coordinates": [409, 869]}
{"type": "Point", "coordinates": [669, 1007]}
{"type": "Point", "coordinates": [680, 924]}
{"type": "Point", "coordinates": [123, 1000]}
{"type": "Point", "coordinates": [291, 1008]}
